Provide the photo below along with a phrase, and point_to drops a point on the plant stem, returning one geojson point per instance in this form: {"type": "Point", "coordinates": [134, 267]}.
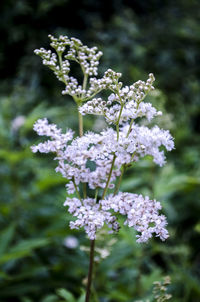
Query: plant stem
{"type": "Point", "coordinates": [129, 130]}
{"type": "Point", "coordinates": [85, 81]}
{"type": "Point", "coordinates": [109, 176]}
{"type": "Point", "coordinates": [76, 189]}
{"type": "Point", "coordinates": [120, 179]}
{"type": "Point", "coordinates": [92, 242]}
{"type": "Point", "coordinates": [80, 119]}
{"type": "Point", "coordinates": [89, 281]}
{"type": "Point", "coordinates": [118, 120]}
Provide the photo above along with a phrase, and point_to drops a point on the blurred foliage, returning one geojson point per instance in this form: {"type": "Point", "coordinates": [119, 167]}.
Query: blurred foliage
{"type": "Point", "coordinates": [137, 37]}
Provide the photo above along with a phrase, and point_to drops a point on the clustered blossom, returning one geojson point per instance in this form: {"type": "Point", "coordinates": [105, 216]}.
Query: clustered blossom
{"type": "Point", "coordinates": [73, 158]}
{"type": "Point", "coordinates": [141, 213]}
{"type": "Point", "coordinates": [90, 216]}
{"type": "Point", "coordinates": [96, 160]}
{"type": "Point", "coordinates": [144, 141]}
{"type": "Point", "coordinates": [58, 140]}
{"type": "Point", "coordinates": [99, 148]}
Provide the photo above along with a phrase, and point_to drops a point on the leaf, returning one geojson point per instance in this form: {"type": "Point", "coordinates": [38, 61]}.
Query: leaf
{"type": "Point", "coordinates": [25, 299]}
{"type": "Point", "coordinates": [197, 227]}
{"type": "Point", "coordinates": [24, 248]}
{"type": "Point", "coordinates": [13, 156]}
{"type": "Point", "coordinates": [63, 293]}
{"type": "Point", "coordinates": [6, 237]}
{"type": "Point", "coordinates": [50, 298]}
{"type": "Point", "coordinates": [48, 179]}
{"type": "Point", "coordinates": [82, 297]}
{"type": "Point", "coordinates": [169, 182]}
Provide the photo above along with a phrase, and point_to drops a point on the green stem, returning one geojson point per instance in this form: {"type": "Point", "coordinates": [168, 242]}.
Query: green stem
{"type": "Point", "coordinates": [96, 194]}
{"type": "Point", "coordinates": [129, 129]}
{"type": "Point", "coordinates": [109, 177]}
{"type": "Point", "coordinates": [84, 190]}
{"type": "Point", "coordinates": [117, 124]}
{"type": "Point", "coordinates": [61, 67]}
{"type": "Point", "coordinates": [85, 81]}
{"type": "Point", "coordinates": [93, 95]}
{"type": "Point", "coordinates": [94, 294]}
{"type": "Point", "coordinates": [89, 280]}
{"type": "Point", "coordinates": [76, 189]}
{"type": "Point", "coordinates": [123, 166]}
{"type": "Point", "coordinates": [80, 119]}
{"type": "Point", "coordinates": [120, 179]}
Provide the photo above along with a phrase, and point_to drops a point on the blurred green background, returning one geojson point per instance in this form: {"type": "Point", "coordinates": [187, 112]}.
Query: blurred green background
{"type": "Point", "coordinates": [137, 37]}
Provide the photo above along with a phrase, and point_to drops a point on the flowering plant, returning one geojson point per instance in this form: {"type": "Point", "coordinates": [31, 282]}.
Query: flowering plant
{"type": "Point", "coordinates": [111, 151]}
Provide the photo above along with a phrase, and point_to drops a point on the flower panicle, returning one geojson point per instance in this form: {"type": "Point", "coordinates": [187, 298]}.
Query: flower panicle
{"type": "Point", "coordinates": [95, 161]}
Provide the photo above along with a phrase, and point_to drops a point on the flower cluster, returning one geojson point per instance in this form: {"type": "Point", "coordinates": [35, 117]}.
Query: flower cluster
{"type": "Point", "coordinates": [88, 58]}
{"type": "Point", "coordinates": [141, 213]}
{"type": "Point", "coordinates": [99, 148]}
{"type": "Point", "coordinates": [72, 49]}
{"type": "Point", "coordinates": [96, 161]}
{"type": "Point", "coordinates": [130, 99]}
{"type": "Point", "coordinates": [108, 81]}
{"type": "Point", "coordinates": [58, 140]}
{"type": "Point", "coordinates": [90, 216]}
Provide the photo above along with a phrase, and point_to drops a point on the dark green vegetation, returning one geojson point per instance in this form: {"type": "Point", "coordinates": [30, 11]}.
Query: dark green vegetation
{"type": "Point", "coordinates": [137, 37]}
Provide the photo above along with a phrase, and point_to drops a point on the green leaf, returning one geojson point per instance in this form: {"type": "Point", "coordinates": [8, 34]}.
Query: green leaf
{"type": "Point", "coordinates": [197, 227]}
{"type": "Point", "coordinates": [63, 293]}
{"type": "Point", "coordinates": [82, 297]}
{"type": "Point", "coordinates": [24, 248]}
{"type": "Point", "coordinates": [50, 298]}
{"type": "Point", "coordinates": [14, 156]}
{"type": "Point", "coordinates": [48, 179]}
{"type": "Point", "coordinates": [6, 237]}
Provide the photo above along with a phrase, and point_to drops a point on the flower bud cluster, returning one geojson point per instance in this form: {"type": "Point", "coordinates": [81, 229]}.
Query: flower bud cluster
{"type": "Point", "coordinates": [139, 89]}
{"type": "Point", "coordinates": [131, 98]}
{"type": "Point", "coordinates": [49, 58]}
{"type": "Point", "coordinates": [73, 88]}
{"type": "Point", "coordinates": [87, 58]}
{"type": "Point", "coordinates": [110, 80]}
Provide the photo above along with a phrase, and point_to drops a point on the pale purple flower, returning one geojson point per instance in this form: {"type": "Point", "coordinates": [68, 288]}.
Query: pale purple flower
{"type": "Point", "coordinates": [94, 158]}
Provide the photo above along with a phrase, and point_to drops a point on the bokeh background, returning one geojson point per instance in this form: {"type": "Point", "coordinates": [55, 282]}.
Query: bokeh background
{"type": "Point", "coordinates": [39, 254]}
